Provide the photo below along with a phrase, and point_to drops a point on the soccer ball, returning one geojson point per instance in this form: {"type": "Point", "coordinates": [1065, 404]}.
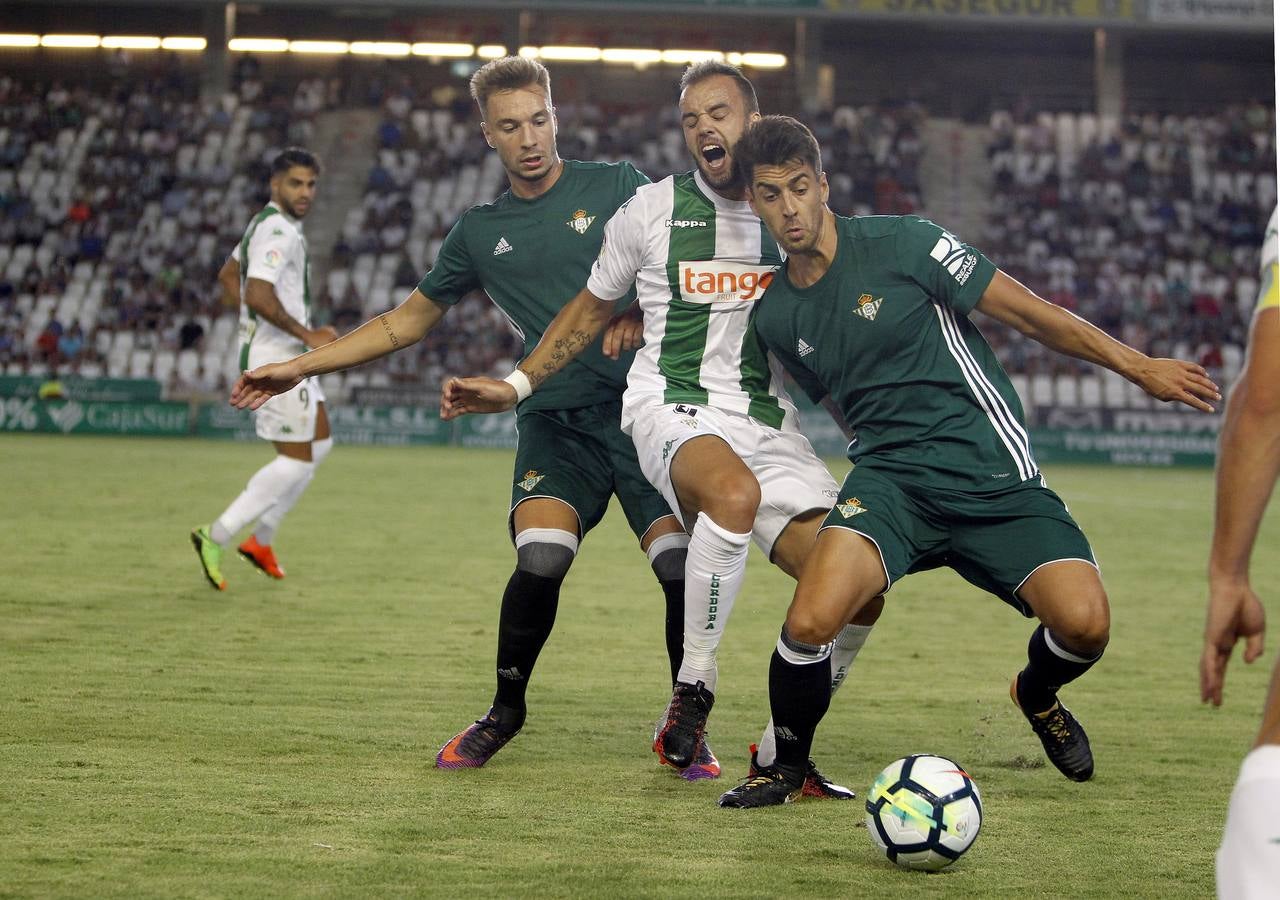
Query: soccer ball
{"type": "Point", "coordinates": [923, 812]}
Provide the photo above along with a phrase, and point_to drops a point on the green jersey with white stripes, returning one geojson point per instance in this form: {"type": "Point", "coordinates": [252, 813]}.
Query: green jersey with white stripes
{"type": "Point", "coordinates": [885, 332]}
{"type": "Point", "coordinates": [699, 263]}
{"type": "Point", "coordinates": [531, 256]}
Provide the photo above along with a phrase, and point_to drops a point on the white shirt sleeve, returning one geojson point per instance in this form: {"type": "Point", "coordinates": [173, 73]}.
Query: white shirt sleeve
{"type": "Point", "coordinates": [623, 251]}
{"type": "Point", "coordinates": [270, 248]}
{"type": "Point", "coordinates": [235, 253]}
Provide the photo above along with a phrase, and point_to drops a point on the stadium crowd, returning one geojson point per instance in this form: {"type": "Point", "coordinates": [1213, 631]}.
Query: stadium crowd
{"type": "Point", "coordinates": [1148, 226]}
{"type": "Point", "coordinates": [118, 204]}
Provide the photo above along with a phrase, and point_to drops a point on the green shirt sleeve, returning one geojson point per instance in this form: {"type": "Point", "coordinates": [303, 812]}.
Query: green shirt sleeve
{"type": "Point", "coordinates": [948, 269]}
{"type": "Point", "coordinates": [454, 275]}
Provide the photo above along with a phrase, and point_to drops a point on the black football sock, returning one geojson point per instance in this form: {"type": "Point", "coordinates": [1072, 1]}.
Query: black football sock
{"type": "Point", "coordinates": [667, 556]}
{"type": "Point", "coordinates": [1050, 665]}
{"type": "Point", "coordinates": [528, 614]}
{"type": "Point", "coordinates": [799, 694]}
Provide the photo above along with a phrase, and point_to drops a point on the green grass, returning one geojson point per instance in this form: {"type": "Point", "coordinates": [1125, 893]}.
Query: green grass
{"type": "Point", "coordinates": [161, 739]}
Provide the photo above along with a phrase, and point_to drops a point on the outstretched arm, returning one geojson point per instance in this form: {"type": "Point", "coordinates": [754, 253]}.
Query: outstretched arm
{"type": "Point", "coordinates": [1009, 302]}
{"type": "Point", "coordinates": [407, 324]}
{"type": "Point", "coordinates": [570, 332]}
{"type": "Point", "coordinates": [1248, 465]}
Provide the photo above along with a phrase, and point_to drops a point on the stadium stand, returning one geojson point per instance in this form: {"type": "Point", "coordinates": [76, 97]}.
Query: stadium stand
{"type": "Point", "coordinates": [117, 207]}
{"type": "Point", "coordinates": [1147, 226]}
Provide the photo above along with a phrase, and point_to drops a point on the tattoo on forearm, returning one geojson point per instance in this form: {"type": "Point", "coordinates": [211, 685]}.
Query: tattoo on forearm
{"type": "Point", "coordinates": [561, 353]}
{"type": "Point", "coordinates": [391, 335]}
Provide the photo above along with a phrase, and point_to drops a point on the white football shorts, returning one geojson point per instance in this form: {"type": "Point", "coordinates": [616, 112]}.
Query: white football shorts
{"type": "Point", "coordinates": [792, 478]}
{"type": "Point", "coordinates": [289, 417]}
{"type": "Point", "coordinates": [1249, 858]}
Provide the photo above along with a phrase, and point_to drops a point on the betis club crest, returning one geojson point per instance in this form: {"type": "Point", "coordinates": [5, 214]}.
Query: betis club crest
{"type": "Point", "coordinates": [530, 480]}
{"type": "Point", "coordinates": [580, 221]}
{"type": "Point", "coordinates": [868, 306]}
{"type": "Point", "coordinates": [850, 508]}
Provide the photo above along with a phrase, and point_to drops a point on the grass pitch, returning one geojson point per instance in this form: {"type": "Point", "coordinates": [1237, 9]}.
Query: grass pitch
{"type": "Point", "coordinates": [162, 739]}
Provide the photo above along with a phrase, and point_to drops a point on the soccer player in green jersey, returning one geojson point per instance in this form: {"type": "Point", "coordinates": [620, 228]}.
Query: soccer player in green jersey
{"type": "Point", "coordinates": [874, 313]}
{"type": "Point", "coordinates": [713, 428]}
{"type": "Point", "coordinates": [530, 250]}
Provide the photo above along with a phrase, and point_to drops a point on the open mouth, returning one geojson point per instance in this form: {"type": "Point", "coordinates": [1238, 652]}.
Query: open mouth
{"type": "Point", "coordinates": [715, 156]}
{"type": "Point", "coordinates": [531, 162]}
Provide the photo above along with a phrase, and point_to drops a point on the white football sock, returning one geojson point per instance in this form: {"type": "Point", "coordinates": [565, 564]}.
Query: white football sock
{"type": "Point", "coordinates": [714, 571]}
{"type": "Point", "coordinates": [265, 532]}
{"type": "Point", "coordinates": [847, 644]}
{"type": "Point", "coordinates": [1249, 858]}
{"type": "Point", "coordinates": [273, 481]}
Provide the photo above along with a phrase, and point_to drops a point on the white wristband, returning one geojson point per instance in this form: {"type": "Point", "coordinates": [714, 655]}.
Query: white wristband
{"type": "Point", "coordinates": [520, 381]}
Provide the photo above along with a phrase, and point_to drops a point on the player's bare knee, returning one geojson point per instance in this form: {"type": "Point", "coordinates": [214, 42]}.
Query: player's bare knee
{"type": "Point", "coordinates": [812, 626]}
{"type": "Point", "coordinates": [732, 501]}
{"type": "Point", "coordinates": [1084, 627]}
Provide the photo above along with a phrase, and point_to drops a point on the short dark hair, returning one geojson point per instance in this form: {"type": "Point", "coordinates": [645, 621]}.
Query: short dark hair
{"type": "Point", "coordinates": [509, 73]}
{"type": "Point", "coordinates": [294, 156]}
{"type": "Point", "coordinates": [709, 67]}
{"type": "Point", "coordinates": [774, 141]}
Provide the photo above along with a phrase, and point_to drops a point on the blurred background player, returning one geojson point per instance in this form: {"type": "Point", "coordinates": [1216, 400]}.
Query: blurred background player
{"type": "Point", "coordinates": [874, 312]}
{"type": "Point", "coordinates": [1248, 464]}
{"type": "Point", "coordinates": [275, 323]}
{"type": "Point", "coordinates": [712, 426]}
{"type": "Point", "coordinates": [530, 249]}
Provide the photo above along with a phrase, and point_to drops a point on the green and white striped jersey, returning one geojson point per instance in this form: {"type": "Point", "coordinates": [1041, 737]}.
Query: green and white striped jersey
{"type": "Point", "coordinates": [274, 250]}
{"type": "Point", "coordinates": [699, 263]}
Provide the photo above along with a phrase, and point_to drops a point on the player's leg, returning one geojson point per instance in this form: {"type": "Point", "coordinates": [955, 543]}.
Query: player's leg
{"type": "Point", "coordinates": [288, 422]}
{"type": "Point", "coordinates": [843, 574]}
{"type": "Point", "coordinates": [1024, 547]}
{"type": "Point", "coordinates": [562, 484]}
{"type": "Point", "coordinates": [718, 497]}
{"type": "Point", "coordinates": [792, 478]}
{"type": "Point", "coordinates": [1248, 864]}
{"type": "Point", "coordinates": [257, 548]}
{"type": "Point", "coordinates": [871, 537]}
{"type": "Point", "coordinates": [546, 540]}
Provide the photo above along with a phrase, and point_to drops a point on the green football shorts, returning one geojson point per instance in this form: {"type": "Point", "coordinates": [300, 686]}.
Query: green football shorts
{"type": "Point", "coordinates": [995, 541]}
{"type": "Point", "coordinates": [582, 457]}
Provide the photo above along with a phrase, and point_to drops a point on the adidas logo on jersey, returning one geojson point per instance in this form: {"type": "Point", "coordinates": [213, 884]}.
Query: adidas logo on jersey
{"type": "Point", "coordinates": [502, 247]}
{"type": "Point", "coordinates": [868, 307]}
{"type": "Point", "coordinates": [803, 349]}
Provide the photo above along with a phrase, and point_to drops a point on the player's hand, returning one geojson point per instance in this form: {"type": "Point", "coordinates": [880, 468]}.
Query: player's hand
{"type": "Point", "coordinates": [257, 386]}
{"type": "Point", "coordinates": [460, 396]}
{"type": "Point", "coordinates": [1235, 612]}
{"type": "Point", "coordinates": [625, 332]}
{"type": "Point", "coordinates": [1182, 382]}
{"type": "Point", "coordinates": [318, 337]}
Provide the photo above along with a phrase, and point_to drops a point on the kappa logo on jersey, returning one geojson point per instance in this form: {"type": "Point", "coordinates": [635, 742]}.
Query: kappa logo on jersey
{"type": "Point", "coordinates": [954, 257]}
{"type": "Point", "coordinates": [273, 258]}
{"type": "Point", "coordinates": [502, 247]}
{"type": "Point", "coordinates": [868, 306]}
{"type": "Point", "coordinates": [715, 281]}
{"type": "Point", "coordinates": [802, 348]}
{"type": "Point", "coordinates": [850, 508]}
{"type": "Point", "coordinates": [686, 223]}
{"type": "Point", "coordinates": [580, 221]}
{"type": "Point", "coordinates": [531, 479]}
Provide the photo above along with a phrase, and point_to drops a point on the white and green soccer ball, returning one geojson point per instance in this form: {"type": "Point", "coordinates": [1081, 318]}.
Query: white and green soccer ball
{"type": "Point", "coordinates": [923, 811]}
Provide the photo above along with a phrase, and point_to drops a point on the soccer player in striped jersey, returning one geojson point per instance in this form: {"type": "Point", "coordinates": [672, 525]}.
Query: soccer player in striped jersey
{"type": "Point", "coordinates": [714, 430]}
{"type": "Point", "coordinates": [1248, 465]}
{"type": "Point", "coordinates": [275, 323]}
{"type": "Point", "coordinates": [529, 250]}
{"type": "Point", "coordinates": [944, 473]}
